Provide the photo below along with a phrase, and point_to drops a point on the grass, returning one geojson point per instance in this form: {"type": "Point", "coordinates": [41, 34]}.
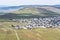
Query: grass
{"type": "Point", "coordinates": [40, 34]}
{"type": "Point", "coordinates": [7, 35]}
{"type": "Point", "coordinates": [34, 34]}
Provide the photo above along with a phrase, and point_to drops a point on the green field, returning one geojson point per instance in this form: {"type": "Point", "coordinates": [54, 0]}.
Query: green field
{"type": "Point", "coordinates": [9, 33]}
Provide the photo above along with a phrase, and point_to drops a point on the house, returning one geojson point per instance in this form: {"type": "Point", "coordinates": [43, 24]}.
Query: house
{"type": "Point", "coordinates": [17, 27]}
{"type": "Point", "coordinates": [24, 28]}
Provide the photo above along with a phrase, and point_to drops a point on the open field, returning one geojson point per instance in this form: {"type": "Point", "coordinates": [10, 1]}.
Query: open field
{"type": "Point", "coordinates": [8, 33]}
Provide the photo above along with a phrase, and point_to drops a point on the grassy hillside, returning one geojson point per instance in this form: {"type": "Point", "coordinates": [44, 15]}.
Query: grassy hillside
{"type": "Point", "coordinates": [41, 11]}
{"type": "Point", "coordinates": [8, 33]}
{"type": "Point", "coordinates": [54, 9]}
{"type": "Point", "coordinates": [32, 11]}
{"type": "Point", "coordinates": [26, 10]}
{"type": "Point", "coordinates": [35, 34]}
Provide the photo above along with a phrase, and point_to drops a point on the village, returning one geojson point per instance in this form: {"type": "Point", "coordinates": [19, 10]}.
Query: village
{"type": "Point", "coordinates": [42, 22]}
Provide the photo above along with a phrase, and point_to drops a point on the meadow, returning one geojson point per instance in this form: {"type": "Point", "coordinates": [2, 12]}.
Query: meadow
{"type": "Point", "coordinates": [9, 33]}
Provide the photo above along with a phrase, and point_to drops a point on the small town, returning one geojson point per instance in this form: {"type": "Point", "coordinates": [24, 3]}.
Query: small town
{"type": "Point", "coordinates": [42, 22]}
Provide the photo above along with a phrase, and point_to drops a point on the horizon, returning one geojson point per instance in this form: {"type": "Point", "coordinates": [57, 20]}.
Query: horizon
{"type": "Point", "coordinates": [28, 2]}
{"type": "Point", "coordinates": [26, 5]}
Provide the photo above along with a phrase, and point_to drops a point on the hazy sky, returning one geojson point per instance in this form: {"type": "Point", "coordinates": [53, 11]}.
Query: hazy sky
{"type": "Point", "coordinates": [29, 2]}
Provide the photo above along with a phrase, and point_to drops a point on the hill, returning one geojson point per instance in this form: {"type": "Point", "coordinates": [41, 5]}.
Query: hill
{"type": "Point", "coordinates": [31, 11]}
{"type": "Point", "coordinates": [8, 9]}
{"type": "Point", "coordinates": [57, 6]}
{"type": "Point", "coordinates": [7, 33]}
{"type": "Point", "coordinates": [38, 10]}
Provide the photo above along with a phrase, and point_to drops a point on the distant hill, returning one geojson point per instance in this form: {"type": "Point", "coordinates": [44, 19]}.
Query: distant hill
{"type": "Point", "coordinates": [57, 6]}
{"type": "Point", "coordinates": [30, 11]}
{"type": "Point", "coordinates": [9, 8]}
{"type": "Point", "coordinates": [38, 10]}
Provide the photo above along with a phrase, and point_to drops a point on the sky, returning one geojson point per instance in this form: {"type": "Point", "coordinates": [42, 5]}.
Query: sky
{"type": "Point", "coordinates": [29, 2]}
